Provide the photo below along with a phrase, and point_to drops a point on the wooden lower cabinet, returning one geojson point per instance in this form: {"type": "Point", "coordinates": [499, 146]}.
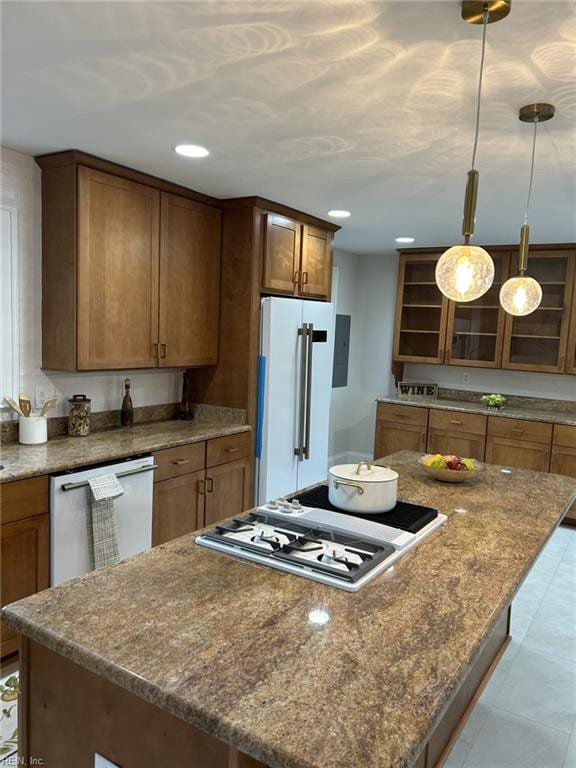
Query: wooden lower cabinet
{"type": "Point", "coordinates": [178, 507]}
{"type": "Point", "coordinates": [227, 490]}
{"type": "Point", "coordinates": [563, 462]}
{"type": "Point", "coordinates": [468, 446]}
{"type": "Point", "coordinates": [522, 454]}
{"type": "Point", "coordinates": [392, 437]}
{"type": "Point", "coordinates": [25, 546]}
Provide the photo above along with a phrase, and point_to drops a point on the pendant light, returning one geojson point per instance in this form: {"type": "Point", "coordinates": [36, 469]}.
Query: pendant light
{"type": "Point", "coordinates": [465, 272]}
{"type": "Point", "coordinates": [522, 295]}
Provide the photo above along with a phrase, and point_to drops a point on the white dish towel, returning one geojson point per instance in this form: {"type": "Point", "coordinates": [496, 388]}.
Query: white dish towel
{"type": "Point", "coordinates": [102, 529]}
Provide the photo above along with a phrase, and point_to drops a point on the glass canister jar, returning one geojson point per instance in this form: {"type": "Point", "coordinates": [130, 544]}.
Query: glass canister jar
{"type": "Point", "coordinates": [79, 416]}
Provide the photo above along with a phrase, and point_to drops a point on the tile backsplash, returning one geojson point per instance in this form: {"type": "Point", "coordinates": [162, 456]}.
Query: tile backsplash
{"type": "Point", "coordinates": [21, 179]}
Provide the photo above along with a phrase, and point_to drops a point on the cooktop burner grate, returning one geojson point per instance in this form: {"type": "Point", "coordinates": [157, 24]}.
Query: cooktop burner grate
{"type": "Point", "coordinates": [405, 516]}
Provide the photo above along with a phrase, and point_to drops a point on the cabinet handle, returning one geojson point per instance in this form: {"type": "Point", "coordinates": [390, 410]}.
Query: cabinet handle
{"type": "Point", "coordinates": [296, 280]}
{"type": "Point", "coordinates": [163, 349]}
{"type": "Point", "coordinates": [179, 461]}
{"type": "Point", "coordinates": [231, 450]}
{"type": "Point", "coordinates": [517, 429]}
{"type": "Point", "coordinates": [441, 354]}
{"type": "Point", "coordinates": [400, 415]}
{"type": "Point", "coordinates": [202, 487]}
{"type": "Point", "coordinates": [304, 278]}
{"type": "Point", "coordinates": [209, 485]}
{"type": "Point", "coordinates": [154, 349]}
{"type": "Point", "coordinates": [456, 421]}
{"type": "Point", "coordinates": [448, 355]}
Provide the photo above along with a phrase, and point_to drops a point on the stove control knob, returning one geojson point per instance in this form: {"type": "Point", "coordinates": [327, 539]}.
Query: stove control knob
{"type": "Point", "coordinates": [296, 506]}
{"type": "Point", "coordinates": [272, 505]}
{"type": "Point", "coordinates": [284, 505]}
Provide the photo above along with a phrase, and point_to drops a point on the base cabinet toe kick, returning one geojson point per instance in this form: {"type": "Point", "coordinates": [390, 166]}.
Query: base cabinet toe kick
{"type": "Point", "coordinates": [68, 714]}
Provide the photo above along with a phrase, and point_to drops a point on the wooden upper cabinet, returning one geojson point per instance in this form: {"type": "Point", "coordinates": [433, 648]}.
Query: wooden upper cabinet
{"type": "Point", "coordinates": [281, 255]}
{"type": "Point", "coordinates": [316, 263]}
{"type": "Point", "coordinates": [297, 259]}
{"type": "Point", "coordinates": [189, 282]}
{"type": "Point", "coordinates": [571, 349]}
{"type": "Point", "coordinates": [421, 311]}
{"type": "Point", "coordinates": [475, 329]}
{"type": "Point", "coordinates": [118, 230]}
{"type": "Point", "coordinates": [538, 342]}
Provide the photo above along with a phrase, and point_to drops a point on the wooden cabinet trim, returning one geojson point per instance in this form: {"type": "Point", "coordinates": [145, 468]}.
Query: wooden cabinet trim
{"type": "Point", "coordinates": [222, 490]}
{"type": "Point", "coordinates": [316, 278]}
{"type": "Point", "coordinates": [564, 435]}
{"type": "Point", "coordinates": [281, 275]}
{"type": "Point", "coordinates": [21, 499]}
{"type": "Point", "coordinates": [178, 506]}
{"type": "Point", "coordinates": [516, 452]}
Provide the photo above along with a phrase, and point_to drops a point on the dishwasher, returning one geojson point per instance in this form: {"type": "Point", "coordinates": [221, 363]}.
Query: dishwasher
{"type": "Point", "coordinates": [69, 500]}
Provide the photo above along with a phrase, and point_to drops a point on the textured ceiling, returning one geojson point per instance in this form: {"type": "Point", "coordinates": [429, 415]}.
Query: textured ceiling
{"type": "Point", "coordinates": [361, 105]}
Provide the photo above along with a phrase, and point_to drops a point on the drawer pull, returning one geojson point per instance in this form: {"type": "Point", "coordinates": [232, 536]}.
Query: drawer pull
{"type": "Point", "coordinates": [456, 421]}
{"type": "Point", "coordinates": [232, 450]}
{"type": "Point", "coordinates": [519, 430]}
{"type": "Point", "coordinates": [209, 485]}
{"type": "Point", "coordinates": [296, 280]}
{"type": "Point", "coordinates": [178, 462]}
{"type": "Point", "coordinates": [400, 415]}
{"type": "Point", "coordinates": [202, 487]}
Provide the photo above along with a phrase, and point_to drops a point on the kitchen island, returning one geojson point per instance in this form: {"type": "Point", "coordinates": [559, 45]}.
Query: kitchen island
{"type": "Point", "coordinates": [183, 656]}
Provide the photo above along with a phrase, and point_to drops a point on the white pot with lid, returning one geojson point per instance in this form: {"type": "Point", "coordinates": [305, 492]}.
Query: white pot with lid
{"type": "Point", "coordinates": [362, 488]}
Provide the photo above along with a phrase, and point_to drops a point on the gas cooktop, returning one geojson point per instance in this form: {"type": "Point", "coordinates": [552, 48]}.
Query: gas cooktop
{"type": "Point", "coordinates": [323, 544]}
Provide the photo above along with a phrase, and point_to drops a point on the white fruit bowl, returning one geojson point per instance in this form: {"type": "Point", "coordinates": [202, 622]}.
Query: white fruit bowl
{"type": "Point", "coordinates": [450, 475]}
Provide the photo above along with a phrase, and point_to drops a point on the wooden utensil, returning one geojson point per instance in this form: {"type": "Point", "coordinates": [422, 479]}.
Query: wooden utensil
{"type": "Point", "coordinates": [25, 405]}
{"type": "Point", "coordinates": [14, 405]}
{"type": "Point", "coordinates": [50, 403]}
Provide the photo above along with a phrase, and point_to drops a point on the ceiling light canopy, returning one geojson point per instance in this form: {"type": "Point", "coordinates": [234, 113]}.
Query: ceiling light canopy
{"type": "Point", "coordinates": [339, 214]}
{"type": "Point", "coordinates": [405, 239]}
{"type": "Point", "coordinates": [466, 272]}
{"type": "Point", "coordinates": [522, 295]}
{"type": "Point", "coordinates": [191, 150]}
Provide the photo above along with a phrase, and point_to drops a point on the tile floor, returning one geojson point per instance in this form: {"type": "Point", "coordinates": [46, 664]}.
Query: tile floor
{"type": "Point", "coordinates": [526, 716]}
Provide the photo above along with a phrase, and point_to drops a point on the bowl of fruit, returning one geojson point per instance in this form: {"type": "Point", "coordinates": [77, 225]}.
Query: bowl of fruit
{"type": "Point", "coordinates": [450, 469]}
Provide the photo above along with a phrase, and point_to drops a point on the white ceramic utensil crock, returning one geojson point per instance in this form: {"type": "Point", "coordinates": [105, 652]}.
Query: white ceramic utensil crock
{"type": "Point", "coordinates": [32, 430]}
{"type": "Point", "coordinates": [362, 488]}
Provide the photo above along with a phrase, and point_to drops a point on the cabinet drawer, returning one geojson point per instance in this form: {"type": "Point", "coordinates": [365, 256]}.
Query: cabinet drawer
{"type": "Point", "coordinates": [456, 421]}
{"type": "Point", "coordinates": [21, 499]}
{"type": "Point", "coordinates": [518, 429]}
{"type": "Point", "coordinates": [229, 448]}
{"type": "Point", "coordinates": [403, 414]}
{"type": "Point", "coordinates": [172, 462]}
{"type": "Point", "coordinates": [564, 435]}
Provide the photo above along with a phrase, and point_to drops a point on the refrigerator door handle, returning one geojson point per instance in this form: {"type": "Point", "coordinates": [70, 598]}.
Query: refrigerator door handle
{"type": "Point", "coordinates": [308, 415]}
{"type": "Point", "coordinates": [299, 450]}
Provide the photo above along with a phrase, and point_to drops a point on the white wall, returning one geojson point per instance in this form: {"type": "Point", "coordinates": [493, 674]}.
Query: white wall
{"type": "Point", "coordinates": [553, 385]}
{"type": "Point", "coordinates": [367, 292]}
{"type": "Point", "coordinates": [20, 181]}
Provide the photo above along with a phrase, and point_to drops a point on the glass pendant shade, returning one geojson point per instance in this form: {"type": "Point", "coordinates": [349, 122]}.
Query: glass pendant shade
{"type": "Point", "coordinates": [520, 296]}
{"type": "Point", "coordinates": [464, 272]}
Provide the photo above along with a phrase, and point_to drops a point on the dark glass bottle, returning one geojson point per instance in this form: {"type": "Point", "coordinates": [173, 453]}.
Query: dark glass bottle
{"type": "Point", "coordinates": [184, 407]}
{"type": "Point", "coordinates": [127, 410]}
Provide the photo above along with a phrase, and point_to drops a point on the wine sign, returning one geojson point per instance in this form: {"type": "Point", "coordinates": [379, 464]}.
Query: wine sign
{"type": "Point", "coordinates": [409, 389]}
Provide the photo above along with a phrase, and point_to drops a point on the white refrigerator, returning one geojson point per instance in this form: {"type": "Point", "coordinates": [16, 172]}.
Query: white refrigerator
{"type": "Point", "coordinates": [294, 390]}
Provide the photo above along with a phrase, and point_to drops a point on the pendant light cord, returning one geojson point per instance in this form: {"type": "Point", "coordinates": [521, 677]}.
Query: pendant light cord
{"type": "Point", "coordinates": [531, 171]}
{"type": "Point", "coordinates": [485, 16]}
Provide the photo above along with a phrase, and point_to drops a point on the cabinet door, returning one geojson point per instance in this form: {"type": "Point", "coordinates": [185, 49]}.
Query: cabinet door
{"type": "Point", "coordinates": [392, 437]}
{"type": "Point", "coordinates": [571, 350]}
{"type": "Point", "coordinates": [24, 568]}
{"type": "Point", "coordinates": [421, 311]}
{"type": "Point", "coordinates": [538, 341]}
{"type": "Point", "coordinates": [227, 490]}
{"type": "Point", "coordinates": [281, 259]}
{"type": "Point", "coordinates": [118, 238]}
{"type": "Point", "coordinates": [465, 445]}
{"type": "Point", "coordinates": [518, 453]}
{"type": "Point", "coordinates": [178, 507]}
{"type": "Point", "coordinates": [189, 282]}
{"type": "Point", "coordinates": [475, 332]}
{"type": "Point", "coordinates": [563, 462]}
{"type": "Point", "coordinates": [316, 263]}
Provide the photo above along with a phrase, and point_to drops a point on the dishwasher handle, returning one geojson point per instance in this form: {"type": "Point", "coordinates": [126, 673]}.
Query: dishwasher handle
{"type": "Point", "coordinates": [135, 471]}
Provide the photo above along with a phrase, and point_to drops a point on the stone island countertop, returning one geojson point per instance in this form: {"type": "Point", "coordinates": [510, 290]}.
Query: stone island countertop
{"type": "Point", "coordinates": [229, 646]}
{"type": "Point", "coordinates": [61, 453]}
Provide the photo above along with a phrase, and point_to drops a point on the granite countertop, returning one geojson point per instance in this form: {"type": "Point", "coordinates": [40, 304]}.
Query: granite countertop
{"type": "Point", "coordinates": [550, 416]}
{"type": "Point", "coordinates": [229, 647]}
{"type": "Point", "coordinates": [60, 453]}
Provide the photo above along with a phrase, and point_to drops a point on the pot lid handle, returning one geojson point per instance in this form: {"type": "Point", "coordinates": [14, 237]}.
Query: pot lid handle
{"type": "Point", "coordinates": [365, 464]}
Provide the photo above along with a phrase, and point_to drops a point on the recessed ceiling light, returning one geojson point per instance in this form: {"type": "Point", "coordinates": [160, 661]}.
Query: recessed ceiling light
{"type": "Point", "coordinates": [405, 239]}
{"type": "Point", "coordinates": [339, 214]}
{"type": "Point", "coordinates": [191, 150]}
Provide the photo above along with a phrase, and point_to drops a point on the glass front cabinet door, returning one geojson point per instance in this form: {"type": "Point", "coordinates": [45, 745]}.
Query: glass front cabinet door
{"type": "Point", "coordinates": [476, 329]}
